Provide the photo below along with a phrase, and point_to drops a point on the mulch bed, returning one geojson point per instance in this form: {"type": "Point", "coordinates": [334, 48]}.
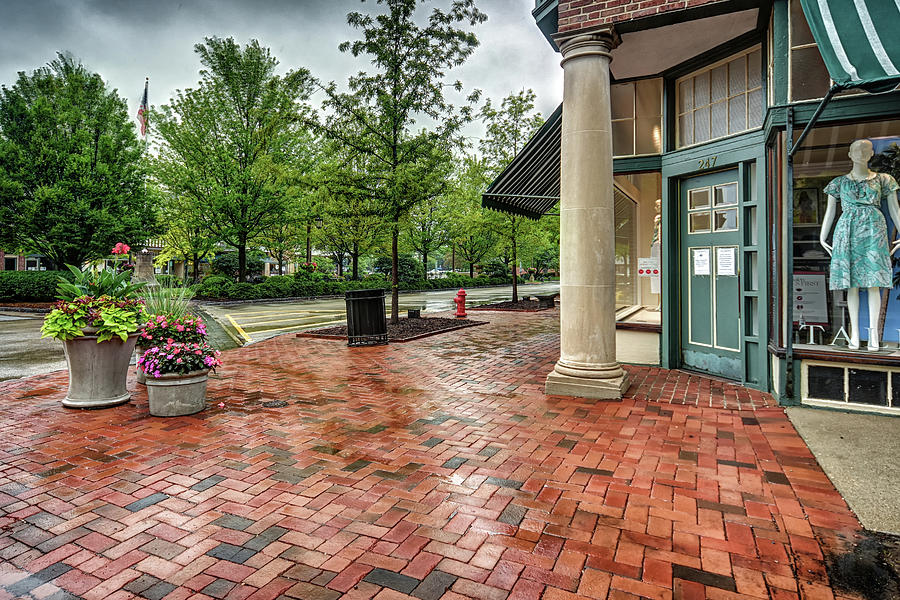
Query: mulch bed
{"type": "Point", "coordinates": [520, 306]}
{"type": "Point", "coordinates": [404, 331]}
{"type": "Point", "coordinates": [28, 306]}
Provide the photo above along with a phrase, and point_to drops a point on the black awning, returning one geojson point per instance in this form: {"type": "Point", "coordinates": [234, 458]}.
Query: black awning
{"type": "Point", "coordinates": [529, 186]}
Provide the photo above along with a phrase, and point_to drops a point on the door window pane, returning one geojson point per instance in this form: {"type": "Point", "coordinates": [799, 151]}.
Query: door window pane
{"type": "Point", "coordinates": [726, 195]}
{"type": "Point", "coordinates": [698, 199]}
{"type": "Point", "coordinates": [698, 222]}
{"type": "Point", "coordinates": [725, 220]}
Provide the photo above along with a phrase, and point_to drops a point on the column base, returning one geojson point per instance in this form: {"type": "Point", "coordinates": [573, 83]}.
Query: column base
{"type": "Point", "coordinates": [600, 389]}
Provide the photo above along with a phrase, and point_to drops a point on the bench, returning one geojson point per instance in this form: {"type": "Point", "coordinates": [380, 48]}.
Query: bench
{"type": "Point", "coordinates": [547, 301]}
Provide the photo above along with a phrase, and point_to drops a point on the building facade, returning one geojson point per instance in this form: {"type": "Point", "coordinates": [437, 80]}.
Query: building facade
{"type": "Point", "coordinates": [692, 201]}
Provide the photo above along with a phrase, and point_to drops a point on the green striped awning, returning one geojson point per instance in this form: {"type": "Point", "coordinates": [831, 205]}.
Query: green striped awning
{"type": "Point", "coordinates": [859, 41]}
{"type": "Point", "coordinates": [529, 186]}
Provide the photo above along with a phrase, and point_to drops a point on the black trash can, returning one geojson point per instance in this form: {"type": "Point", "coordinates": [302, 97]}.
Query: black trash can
{"type": "Point", "coordinates": [366, 322]}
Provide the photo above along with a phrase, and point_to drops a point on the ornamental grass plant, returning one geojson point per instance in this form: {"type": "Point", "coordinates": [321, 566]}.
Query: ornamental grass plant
{"type": "Point", "coordinates": [173, 302]}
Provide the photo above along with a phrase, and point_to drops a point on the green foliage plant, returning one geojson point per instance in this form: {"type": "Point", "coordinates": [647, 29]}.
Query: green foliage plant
{"type": "Point", "coordinates": [96, 283]}
{"type": "Point", "coordinates": [109, 317]}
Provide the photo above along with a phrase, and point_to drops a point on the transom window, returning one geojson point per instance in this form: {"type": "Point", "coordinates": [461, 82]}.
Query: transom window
{"type": "Point", "coordinates": [713, 209]}
{"type": "Point", "coordinates": [721, 100]}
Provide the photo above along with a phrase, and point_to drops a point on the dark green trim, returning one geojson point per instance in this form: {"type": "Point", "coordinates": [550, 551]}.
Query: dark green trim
{"type": "Point", "coordinates": [547, 18]}
{"type": "Point", "coordinates": [780, 50]}
{"type": "Point", "coordinates": [636, 164]}
{"type": "Point", "coordinates": [863, 107]}
{"type": "Point", "coordinates": [730, 153]}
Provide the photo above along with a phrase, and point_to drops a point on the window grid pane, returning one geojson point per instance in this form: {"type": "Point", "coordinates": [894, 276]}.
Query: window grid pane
{"type": "Point", "coordinates": [722, 100]}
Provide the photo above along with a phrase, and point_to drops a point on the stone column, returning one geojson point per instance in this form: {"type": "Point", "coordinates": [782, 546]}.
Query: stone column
{"type": "Point", "coordinates": [587, 364]}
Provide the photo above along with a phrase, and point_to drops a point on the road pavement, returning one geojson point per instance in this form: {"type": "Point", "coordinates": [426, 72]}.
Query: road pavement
{"type": "Point", "coordinates": [257, 321]}
{"type": "Point", "coordinates": [23, 352]}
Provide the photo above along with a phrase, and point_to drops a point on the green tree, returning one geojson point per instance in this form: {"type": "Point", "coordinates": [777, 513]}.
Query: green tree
{"type": "Point", "coordinates": [351, 223]}
{"type": "Point", "coordinates": [185, 236]}
{"type": "Point", "coordinates": [470, 227]}
{"type": "Point", "coordinates": [284, 241]}
{"type": "Point", "coordinates": [237, 143]}
{"type": "Point", "coordinates": [508, 128]}
{"type": "Point", "coordinates": [428, 225]}
{"type": "Point", "coordinates": [71, 174]}
{"type": "Point", "coordinates": [404, 88]}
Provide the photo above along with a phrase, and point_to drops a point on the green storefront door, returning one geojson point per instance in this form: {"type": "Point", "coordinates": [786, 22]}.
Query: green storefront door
{"type": "Point", "coordinates": [710, 282]}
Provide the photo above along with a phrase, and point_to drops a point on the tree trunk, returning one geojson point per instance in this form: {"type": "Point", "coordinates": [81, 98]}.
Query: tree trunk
{"type": "Point", "coordinates": [308, 246]}
{"type": "Point", "coordinates": [515, 274]}
{"type": "Point", "coordinates": [425, 264]}
{"type": "Point", "coordinates": [242, 260]}
{"type": "Point", "coordinates": [395, 273]}
{"type": "Point", "coordinates": [354, 257]}
{"type": "Point", "coordinates": [340, 266]}
{"type": "Point", "coordinates": [281, 264]}
{"type": "Point", "coordinates": [472, 270]}
{"type": "Point", "coordinates": [196, 262]}
{"type": "Point", "coordinates": [452, 257]}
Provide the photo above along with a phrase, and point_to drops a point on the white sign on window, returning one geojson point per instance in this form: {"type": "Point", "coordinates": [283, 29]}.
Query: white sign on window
{"type": "Point", "coordinates": [809, 295]}
{"type": "Point", "coordinates": [648, 267]}
{"type": "Point", "coordinates": [726, 261]}
{"type": "Point", "coordinates": [701, 261]}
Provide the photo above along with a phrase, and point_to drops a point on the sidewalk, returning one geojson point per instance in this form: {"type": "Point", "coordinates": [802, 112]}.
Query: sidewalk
{"type": "Point", "coordinates": [436, 468]}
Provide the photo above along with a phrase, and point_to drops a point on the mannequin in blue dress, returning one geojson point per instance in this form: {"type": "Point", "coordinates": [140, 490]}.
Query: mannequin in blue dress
{"type": "Point", "coordinates": [861, 254]}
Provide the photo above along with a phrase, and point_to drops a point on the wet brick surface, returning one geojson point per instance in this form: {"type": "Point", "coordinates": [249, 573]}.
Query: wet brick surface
{"type": "Point", "coordinates": [432, 469]}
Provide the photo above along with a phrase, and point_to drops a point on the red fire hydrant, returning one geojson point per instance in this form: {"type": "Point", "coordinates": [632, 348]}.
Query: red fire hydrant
{"type": "Point", "coordinates": [460, 304]}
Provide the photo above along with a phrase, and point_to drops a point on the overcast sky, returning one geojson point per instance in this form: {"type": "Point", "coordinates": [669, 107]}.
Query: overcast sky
{"type": "Point", "coordinates": [127, 40]}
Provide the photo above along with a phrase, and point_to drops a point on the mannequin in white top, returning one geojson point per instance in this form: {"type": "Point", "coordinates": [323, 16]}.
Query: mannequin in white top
{"type": "Point", "coordinates": [860, 254]}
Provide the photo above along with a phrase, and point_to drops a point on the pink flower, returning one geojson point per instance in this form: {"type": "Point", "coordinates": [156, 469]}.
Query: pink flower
{"type": "Point", "coordinates": [179, 361]}
{"type": "Point", "coordinates": [221, 405]}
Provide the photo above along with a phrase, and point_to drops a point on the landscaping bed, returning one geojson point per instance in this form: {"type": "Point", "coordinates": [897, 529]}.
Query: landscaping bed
{"type": "Point", "coordinates": [520, 306]}
{"type": "Point", "coordinates": [404, 331]}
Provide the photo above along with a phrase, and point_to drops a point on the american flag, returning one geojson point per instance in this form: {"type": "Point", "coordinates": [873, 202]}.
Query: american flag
{"type": "Point", "coordinates": [143, 110]}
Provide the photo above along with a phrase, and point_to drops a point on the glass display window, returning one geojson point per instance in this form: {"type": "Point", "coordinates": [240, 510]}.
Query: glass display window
{"type": "Point", "coordinates": [809, 78]}
{"type": "Point", "coordinates": [636, 117]}
{"type": "Point", "coordinates": [638, 222]}
{"type": "Point", "coordinates": [720, 100]}
{"type": "Point", "coordinates": [830, 286]}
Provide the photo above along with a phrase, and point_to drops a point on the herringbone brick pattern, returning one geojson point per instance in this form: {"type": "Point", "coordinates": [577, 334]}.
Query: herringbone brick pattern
{"type": "Point", "coordinates": [434, 469]}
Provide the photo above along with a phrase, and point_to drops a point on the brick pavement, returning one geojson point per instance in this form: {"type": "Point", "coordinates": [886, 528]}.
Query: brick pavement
{"type": "Point", "coordinates": [432, 469]}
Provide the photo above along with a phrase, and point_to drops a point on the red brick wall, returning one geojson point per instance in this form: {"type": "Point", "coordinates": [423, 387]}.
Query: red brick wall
{"type": "Point", "coordinates": [579, 14]}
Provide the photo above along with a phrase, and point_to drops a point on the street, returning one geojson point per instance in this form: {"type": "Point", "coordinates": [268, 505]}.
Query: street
{"type": "Point", "coordinates": [23, 352]}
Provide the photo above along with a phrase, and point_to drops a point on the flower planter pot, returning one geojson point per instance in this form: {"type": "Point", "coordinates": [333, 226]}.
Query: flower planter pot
{"type": "Point", "coordinates": [141, 377]}
{"type": "Point", "coordinates": [176, 395]}
{"type": "Point", "coordinates": [98, 373]}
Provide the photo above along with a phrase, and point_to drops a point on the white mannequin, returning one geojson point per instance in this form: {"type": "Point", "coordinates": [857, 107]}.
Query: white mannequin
{"type": "Point", "coordinates": [861, 152]}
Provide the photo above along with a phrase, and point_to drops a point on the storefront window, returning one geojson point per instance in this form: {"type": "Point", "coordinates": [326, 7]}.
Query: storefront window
{"type": "Point", "coordinates": [638, 246]}
{"type": "Point", "coordinates": [831, 287]}
{"type": "Point", "coordinates": [721, 100]}
{"type": "Point", "coordinates": [10, 263]}
{"type": "Point", "coordinates": [808, 74]}
{"type": "Point", "coordinates": [637, 117]}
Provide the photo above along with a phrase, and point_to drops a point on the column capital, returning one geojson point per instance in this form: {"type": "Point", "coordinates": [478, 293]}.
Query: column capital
{"type": "Point", "coordinates": [587, 42]}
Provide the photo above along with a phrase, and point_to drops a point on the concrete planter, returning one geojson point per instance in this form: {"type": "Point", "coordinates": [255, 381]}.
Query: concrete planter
{"type": "Point", "coordinates": [141, 377]}
{"type": "Point", "coordinates": [98, 373]}
{"type": "Point", "coordinates": [176, 395]}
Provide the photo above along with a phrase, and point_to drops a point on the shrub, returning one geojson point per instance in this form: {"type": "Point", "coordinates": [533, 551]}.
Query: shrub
{"type": "Point", "coordinates": [243, 291]}
{"type": "Point", "coordinates": [410, 269]}
{"type": "Point", "coordinates": [227, 264]}
{"type": "Point", "coordinates": [31, 286]}
{"type": "Point", "coordinates": [277, 286]}
{"type": "Point", "coordinates": [214, 286]}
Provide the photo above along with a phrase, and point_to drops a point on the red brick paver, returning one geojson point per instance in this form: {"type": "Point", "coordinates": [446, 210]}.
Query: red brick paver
{"type": "Point", "coordinates": [431, 469]}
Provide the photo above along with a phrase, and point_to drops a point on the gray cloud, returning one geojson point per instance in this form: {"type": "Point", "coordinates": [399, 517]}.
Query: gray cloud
{"type": "Point", "coordinates": [126, 41]}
